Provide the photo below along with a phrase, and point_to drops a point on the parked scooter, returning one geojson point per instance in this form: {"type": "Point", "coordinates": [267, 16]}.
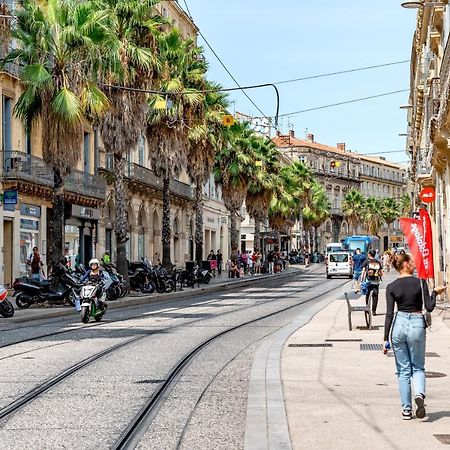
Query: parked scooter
{"type": "Point", "coordinates": [92, 296]}
{"type": "Point", "coordinates": [139, 277]}
{"type": "Point", "coordinates": [59, 287]}
{"type": "Point", "coordinates": [6, 307]}
{"type": "Point", "coordinates": [160, 277]}
{"type": "Point", "coordinates": [195, 276]}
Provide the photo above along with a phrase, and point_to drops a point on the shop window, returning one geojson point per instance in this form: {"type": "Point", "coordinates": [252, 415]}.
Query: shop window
{"type": "Point", "coordinates": [29, 238]}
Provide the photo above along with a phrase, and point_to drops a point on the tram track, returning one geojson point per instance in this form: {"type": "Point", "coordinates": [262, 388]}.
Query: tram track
{"type": "Point", "coordinates": [137, 428]}
{"type": "Point", "coordinates": [154, 403]}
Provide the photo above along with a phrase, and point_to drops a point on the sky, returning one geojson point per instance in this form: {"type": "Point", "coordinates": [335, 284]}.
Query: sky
{"type": "Point", "coordinates": [262, 41]}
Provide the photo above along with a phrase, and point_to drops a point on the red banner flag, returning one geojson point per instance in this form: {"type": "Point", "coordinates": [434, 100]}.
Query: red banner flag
{"type": "Point", "coordinates": [413, 230]}
{"type": "Point", "coordinates": [427, 252]}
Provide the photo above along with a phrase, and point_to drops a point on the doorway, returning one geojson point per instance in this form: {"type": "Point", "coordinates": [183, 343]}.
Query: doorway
{"type": "Point", "coordinates": [8, 251]}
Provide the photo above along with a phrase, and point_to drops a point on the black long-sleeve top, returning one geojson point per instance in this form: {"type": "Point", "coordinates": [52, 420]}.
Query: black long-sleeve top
{"type": "Point", "coordinates": [406, 293]}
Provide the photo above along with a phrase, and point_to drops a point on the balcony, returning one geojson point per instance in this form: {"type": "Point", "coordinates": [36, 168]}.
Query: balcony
{"type": "Point", "coordinates": [19, 166]}
{"type": "Point", "coordinates": [342, 174]}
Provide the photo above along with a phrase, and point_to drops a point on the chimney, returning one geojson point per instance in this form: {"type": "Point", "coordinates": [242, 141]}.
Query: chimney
{"type": "Point", "coordinates": [291, 133]}
{"type": "Point", "coordinates": [310, 137]}
{"type": "Point", "coordinates": [341, 146]}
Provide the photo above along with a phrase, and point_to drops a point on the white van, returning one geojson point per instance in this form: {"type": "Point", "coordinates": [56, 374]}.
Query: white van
{"type": "Point", "coordinates": [333, 247]}
{"type": "Point", "coordinates": [340, 264]}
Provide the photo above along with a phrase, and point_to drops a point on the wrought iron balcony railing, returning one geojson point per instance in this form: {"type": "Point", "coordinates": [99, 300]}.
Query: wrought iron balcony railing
{"type": "Point", "coordinates": [22, 166]}
{"type": "Point", "coordinates": [146, 176]}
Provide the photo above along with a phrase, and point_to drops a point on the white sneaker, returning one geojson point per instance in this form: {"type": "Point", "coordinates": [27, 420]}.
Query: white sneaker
{"type": "Point", "coordinates": [406, 415]}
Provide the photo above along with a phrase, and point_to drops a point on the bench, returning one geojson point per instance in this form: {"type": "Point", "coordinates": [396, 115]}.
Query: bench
{"type": "Point", "coordinates": [366, 309]}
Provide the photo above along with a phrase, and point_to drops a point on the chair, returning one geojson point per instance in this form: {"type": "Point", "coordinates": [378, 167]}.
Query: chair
{"type": "Point", "coordinates": [366, 309]}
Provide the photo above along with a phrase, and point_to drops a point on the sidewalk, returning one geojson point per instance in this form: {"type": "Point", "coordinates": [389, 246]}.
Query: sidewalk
{"type": "Point", "coordinates": [341, 397]}
{"type": "Point", "coordinates": [217, 284]}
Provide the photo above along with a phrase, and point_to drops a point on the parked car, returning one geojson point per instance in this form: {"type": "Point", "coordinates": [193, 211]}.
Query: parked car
{"type": "Point", "coordinates": [339, 264]}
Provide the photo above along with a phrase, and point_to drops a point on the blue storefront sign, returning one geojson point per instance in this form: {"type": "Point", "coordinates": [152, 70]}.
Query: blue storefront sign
{"type": "Point", "coordinates": [10, 198]}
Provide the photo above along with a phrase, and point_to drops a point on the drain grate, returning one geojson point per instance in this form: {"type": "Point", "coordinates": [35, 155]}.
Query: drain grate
{"type": "Point", "coordinates": [365, 347]}
{"type": "Point", "coordinates": [343, 340]}
{"type": "Point", "coordinates": [149, 381]}
{"type": "Point", "coordinates": [310, 345]}
{"type": "Point", "coordinates": [443, 438]}
{"type": "Point", "coordinates": [427, 355]}
{"type": "Point", "coordinates": [435, 375]}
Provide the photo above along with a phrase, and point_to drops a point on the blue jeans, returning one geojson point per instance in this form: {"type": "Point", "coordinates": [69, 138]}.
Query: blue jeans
{"type": "Point", "coordinates": [408, 343]}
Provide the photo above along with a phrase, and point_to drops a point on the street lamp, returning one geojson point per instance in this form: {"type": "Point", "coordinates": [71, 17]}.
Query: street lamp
{"type": "Point", "coordinates": [406, 106]}
{"type": "Point", "coordinates": [418, 4]}
{"type": "Point", "coordinates": [403, 134]}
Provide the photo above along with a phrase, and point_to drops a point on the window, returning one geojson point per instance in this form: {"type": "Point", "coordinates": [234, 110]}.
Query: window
{"type": "Point", "coordinates": [96, 152]}
{"type": "Point", "coordinates": [302, 159]}
{"type": "Point", "coordinates": [141, 150]}
{"type": "Point", "coordinates": [87, 152]}
{"type": "Point", "coordinates": [28, 146]}
{"type": "Point", "coordinates": [6, 124]}
{"type": "Point", "coordinates": [338, 257]}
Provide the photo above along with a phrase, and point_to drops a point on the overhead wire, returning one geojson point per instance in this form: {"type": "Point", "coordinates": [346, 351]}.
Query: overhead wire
{"type": "Point", "coordinates": [228, 71]}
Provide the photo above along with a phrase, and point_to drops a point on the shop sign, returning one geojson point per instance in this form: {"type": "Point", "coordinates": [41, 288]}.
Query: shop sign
{"type": "Point", "coordinates": [428, 195]}
{"type": "Point", "coordinates": [10, 198]}
{"type": "Point", "coordinates": [85, 213]}
{"type": "Point", "coordinates": [210, 219]}
{"type": "Point", "coordinates": [30, 210]}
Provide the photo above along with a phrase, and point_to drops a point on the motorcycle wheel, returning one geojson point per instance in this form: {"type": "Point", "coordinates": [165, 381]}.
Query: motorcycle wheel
{"type": "Point", "coordinates": [207, 278]}
{"type": "Point", "coordinates": [147, 288]}
{"type": "Point", "coordinates": [85, 314]}
{"type": "Point", "coordinates": [6, 309]}
{"type": "Point", "coordinates": [22, 304]}
{"type": "Point", "coordinates": [170, 286]}
{"type": "Point", "coordinates": [161, 287]}
{"type": "Point", "coordinates": [71, 299]}
{"type": "Point", "coordinates": [124, 289]}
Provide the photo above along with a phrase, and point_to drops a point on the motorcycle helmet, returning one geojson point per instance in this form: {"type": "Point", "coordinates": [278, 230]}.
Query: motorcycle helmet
{"type": "Point", "coordinates": [94, 261]}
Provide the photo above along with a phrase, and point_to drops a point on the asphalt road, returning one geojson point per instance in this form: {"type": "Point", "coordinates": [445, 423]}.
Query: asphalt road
{"type": "Point", "coordinates": [129, 356]}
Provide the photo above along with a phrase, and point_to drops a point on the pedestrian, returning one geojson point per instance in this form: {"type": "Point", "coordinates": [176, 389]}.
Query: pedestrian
{"type": "Point", "coordinates": [234, 269]}
{"type": "Point", "coordinates": [271, 260]}
{"type": "Point", "coordinates": [106, 259]}
{"type": "Point", "coordinates": [408, 335]}
{"type": "Point", "coordinates": [257, 261]}
{"type": "Point", "coordinates": [219, 258]}
{"type": "Point", "coordinates": [358, 262]}
{"type": "Point", "coordinates": [386, 262]}
{"type": "Point", "coordinates": [211, 256]}
{"type": "Point", "coordinates": [36, 266]}
{"type": "Point", "coordinates": [373, 273]}
{"type": "Point", "coordinates": [244, 262]}
{"type": "Point", "coordinates": [250, 263]}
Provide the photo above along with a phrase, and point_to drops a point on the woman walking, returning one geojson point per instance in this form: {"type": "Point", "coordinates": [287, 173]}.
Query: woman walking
{"type": "Point", "coordinates": [410, 294]}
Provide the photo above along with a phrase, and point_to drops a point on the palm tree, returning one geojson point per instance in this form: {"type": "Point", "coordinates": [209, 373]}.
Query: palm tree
{"type": "Point", "coordinates": [132, 62]}
{"type": "Point", "coordinates": [373, 215]}
{"type": "Point", "coordinates": [262, 185]}
{"type": "Point", "coordinates": [205, 140]}
{"type": "Point", "coordinates": [182, 77]}
{"type": "Point", "coordinates": [390, 212]}
{"type": "Point", "coordinates": [59, 45]}
{"type": "Point", "coordinates": [234, 167]}
{"type": "Point", "coordinates": [353, 206]}
{"type": "Point", "coordinates": [405, 206]}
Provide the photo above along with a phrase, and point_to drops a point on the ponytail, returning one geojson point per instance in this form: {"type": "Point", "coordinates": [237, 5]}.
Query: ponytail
{"type": "Point", "coordinates": [399, 260]}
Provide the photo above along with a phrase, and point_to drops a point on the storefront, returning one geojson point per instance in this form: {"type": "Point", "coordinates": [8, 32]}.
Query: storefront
{"type": "Point", "coordinates": [30, 217]}
{"type": "Point", "coordinates": [81, 235]}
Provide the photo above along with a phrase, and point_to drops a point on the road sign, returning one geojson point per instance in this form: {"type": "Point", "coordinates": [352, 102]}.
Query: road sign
{"type": "Point", "coordinates": [427, 195]}
{"type": "Point", "coordinates": [228, 120]}
{"type": "Point", "coordinates": [10, 198]}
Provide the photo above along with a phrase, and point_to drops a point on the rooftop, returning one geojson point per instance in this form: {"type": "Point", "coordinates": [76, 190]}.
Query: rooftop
{"type": "Point", "coordinates": [290, 140]}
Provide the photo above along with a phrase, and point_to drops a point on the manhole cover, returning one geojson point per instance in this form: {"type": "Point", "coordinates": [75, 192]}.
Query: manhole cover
{"type": "Point", "coordinates": [366, 328]}
{"type": "Point", "coordinates": [443, 438]}
{"type": "Point", "coordinates": [434, 375]}
{"type": "Point", "coordinates": [150, 381]}
{"type": "Point", "coordinates": [310, 345]}
{"type": "Point", "coordinates": [370, 347]}
{"type": "Point", "coordinates": [343, 340]}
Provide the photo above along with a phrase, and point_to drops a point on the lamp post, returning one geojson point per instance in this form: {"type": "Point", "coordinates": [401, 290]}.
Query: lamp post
{"type": "Point", "coordinates": [419, 4]}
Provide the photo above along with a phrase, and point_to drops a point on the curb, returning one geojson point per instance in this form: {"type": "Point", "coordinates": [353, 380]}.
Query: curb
{"type": "Point", "coordinates": [159, 298]}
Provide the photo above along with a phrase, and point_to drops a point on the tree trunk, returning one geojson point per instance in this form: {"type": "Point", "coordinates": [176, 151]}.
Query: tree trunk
{"type": "Point", "coordinates": [388, 235]}
{"type": "Point", "coordinates": [301, 230]}
{"type": "Point", "coordinates": [306, 242]}
{"type": "Point", "coordinates": [121, 225]}
{"type": "Point", "coordinates": [234, 234]}
{"type": "Point", "coordinates": [166, 230]}
{"type": "Point", "coordinates": [199, 223]}
{"type": "Point", "coordinates": [257, 236]}
{"type": "Point", "coordinates": [311, 240]}
{"type": "Point", "coordinates": [316, 240]}
{"type": "Point", "coordinates": [57, 250]}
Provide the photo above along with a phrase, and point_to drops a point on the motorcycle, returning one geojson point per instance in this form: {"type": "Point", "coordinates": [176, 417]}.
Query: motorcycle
{"type": "Point", "coordinates": [6, 307]}
{"type": "Point", "coordinates": [160, 277]}
{"type": "Point", "coordinates": [61, 286]}
{"type": "Point", "coordinates": [139, 278]}
{"type": "Point", "coordinates": [197, 275]}
{"type": "Point", "coordinates": [89, 300]}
